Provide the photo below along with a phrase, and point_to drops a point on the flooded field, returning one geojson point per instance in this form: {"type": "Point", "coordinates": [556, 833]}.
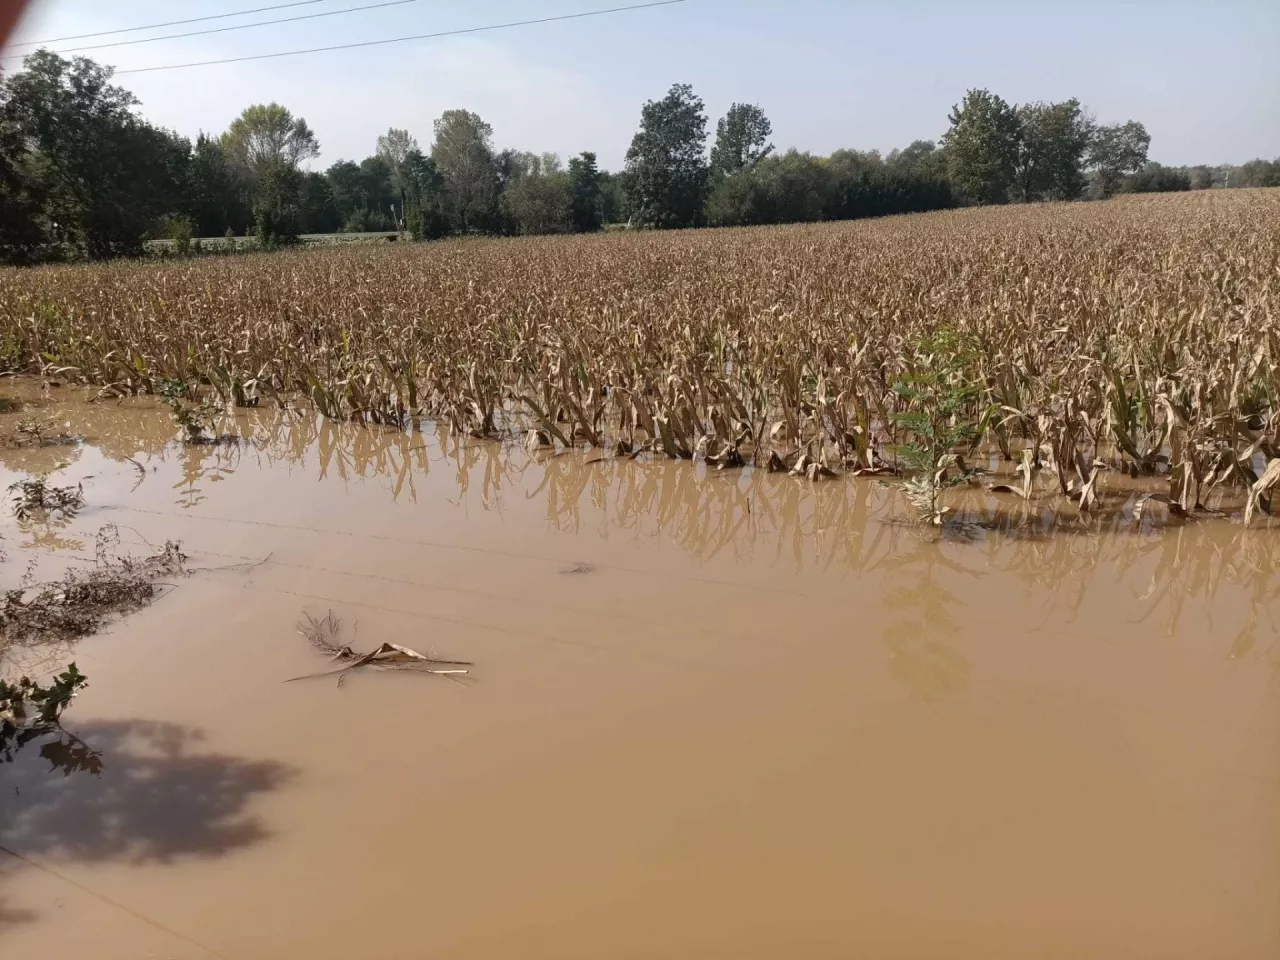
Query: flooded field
{"type": "Point", "coordinates": [711, 714]}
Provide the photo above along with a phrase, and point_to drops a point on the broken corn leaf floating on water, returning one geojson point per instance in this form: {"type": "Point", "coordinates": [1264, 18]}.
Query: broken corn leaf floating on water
{"type": "Point", "coordinates": [323, 633]}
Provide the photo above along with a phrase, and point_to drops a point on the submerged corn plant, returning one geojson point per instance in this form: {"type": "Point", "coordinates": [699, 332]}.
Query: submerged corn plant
{"type": "Point", "coordinates": [1141, 335]}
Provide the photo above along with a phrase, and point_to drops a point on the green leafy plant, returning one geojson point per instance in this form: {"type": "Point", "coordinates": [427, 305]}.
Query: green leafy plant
{"type": "Point", "coordinates": [941, 410]}
{"type": "Point", "coordinates": [36, 495]}
{"type": "Point", "coordinates": [29, 709]}
{"type": "Point", "coordinates": [180, 230]}
{"type": "Point", "coordinates": [195, 415]}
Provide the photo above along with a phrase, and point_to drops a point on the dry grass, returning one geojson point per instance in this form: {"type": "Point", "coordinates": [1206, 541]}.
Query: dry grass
{"type": "Point", "coordinates": [1139, 334]}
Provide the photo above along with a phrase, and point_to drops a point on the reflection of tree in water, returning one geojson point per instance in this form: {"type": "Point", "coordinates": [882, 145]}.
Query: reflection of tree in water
{"type": "Point", "coordinates": [32, 659]}
{"type": "Point", "coordinates": [920, 654]}
{"type": "Point", "coordinates": [46, 534]}
{"type": "Point", "coordinates": [11, 917]}
{"type": "Point", "coordinates": [202, 463]}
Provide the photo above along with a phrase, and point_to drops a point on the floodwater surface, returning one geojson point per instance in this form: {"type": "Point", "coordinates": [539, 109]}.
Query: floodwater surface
{"type": "Point", "coordinates": [712, 714]}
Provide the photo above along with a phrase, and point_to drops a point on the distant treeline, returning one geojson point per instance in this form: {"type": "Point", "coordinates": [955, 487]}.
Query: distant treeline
{"type": "Point", "coordinates": [82, 175]}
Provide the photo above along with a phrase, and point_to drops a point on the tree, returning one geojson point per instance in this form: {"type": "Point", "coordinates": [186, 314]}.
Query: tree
{"type": "Point", "coordinates": [1155, 178]}
{"type": "Point", "coordinates": [737, 200]}
{"type": "Point", "coordinates": [266, 144]}
{"type": "Point", "coordinates": [266, 136]}
{"type": "Point", "coordinates": [106, 176]}
{"type": "Point", "coordinates": [1054, 138]}
{"type": "Point", "coordinates": [393, 147]}
{"type": "Point", "coordinates": [424, 215]}
{"type": "Point", "coordinates": [584, 185]}
{"type": "Point", "coordinates": [1257, 173]}
{"type": "Point", "coordinates": [317, 213]}
{"type": "Point", "coordinates": [796, 187]}
{"type": "Point", "coordinates": [1202, 177]}
{"type": "Point", "coordinates": [381, 196]}
{"type": "Point", "coordinates": [463, 153]}
{"type": "Point", "coordinates": [276, 211]}
{"type": "Point", "coordinates": [920, 156]}
{"type": "Point", "coordinates": [1116, 150]}
{"type": "Point", "coordinates": [216, 194]}
{"type": "Point", "coordinates": [857, 186]}
{"type": "Point", "coordinates": [363, 197]}
{"type": "Point", "coordinates": [741, 139]}
{"type": "Point", "coordinates": [537, 197]}
{"type": "Point", "coordinates": [22, 239]}
{"type": "Point", "coordinates": [792, 188]}
{"type": "Point", "coordinates": [667, 162]}
{"type": "Point", "coordinates": [615, 200]}
{"type": "Point", "coordinates": [347, 184]}
{"type": "Point", "coordinates": [982, 147]}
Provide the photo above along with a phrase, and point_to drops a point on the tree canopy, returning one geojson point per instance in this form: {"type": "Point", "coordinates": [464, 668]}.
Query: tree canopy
{"type": "Point", "coordinates": [1052, 141]}
{"type": "Point", "coordinates": [667, 161]}
{"type": "Point", "coordinates": [463, 153]}
{"type": "Point", "coordinates": [1115, 151]}
{"type": "Point", "coordinates": [82, 174]}
{"type": "Point", "coordinates": [742, 139]}
{"type": "Point", "coordinates": [102, 175]}
{"type": "Point", "coordinates": [268, 135]}
{"type": "Point", "coordinates": [586, 192]}
{"type": "Point", "coordinates": [983, 146]}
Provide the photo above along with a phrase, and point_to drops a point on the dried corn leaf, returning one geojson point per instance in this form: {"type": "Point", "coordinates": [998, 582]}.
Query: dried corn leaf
{"type": "Point", "coordinates": [1261, 489]}
{"type": "Point", "coordinates": [323, 633]}
{"type": "Point", "coordinates": [1006, 488]}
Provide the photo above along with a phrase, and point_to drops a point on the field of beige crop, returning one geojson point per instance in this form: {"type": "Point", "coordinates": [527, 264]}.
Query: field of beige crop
{"type": "Point", "coordinates": [1141, 333]}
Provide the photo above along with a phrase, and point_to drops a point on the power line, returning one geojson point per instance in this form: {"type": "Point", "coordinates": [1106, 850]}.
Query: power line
{"type": "Point", "coordinates": [167, 23]}
{"type": "Point", "coordinates": [420, 36]}
{"type": "Point", "coordinates": [237, 26]}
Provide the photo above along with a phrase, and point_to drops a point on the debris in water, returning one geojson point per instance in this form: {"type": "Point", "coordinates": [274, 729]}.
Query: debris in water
{"type": "Point", "coordinates": [323, 634]}
{"type": "Point", "coordinates": [83, 599]}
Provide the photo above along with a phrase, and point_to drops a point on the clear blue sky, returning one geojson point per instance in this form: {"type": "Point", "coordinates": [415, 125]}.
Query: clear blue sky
{"type": "Point", "coordinates": [1204, 77]}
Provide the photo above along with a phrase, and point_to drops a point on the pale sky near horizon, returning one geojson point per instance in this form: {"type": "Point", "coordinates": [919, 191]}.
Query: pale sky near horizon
{"type": "Point", "coordinates": [1204, 78]}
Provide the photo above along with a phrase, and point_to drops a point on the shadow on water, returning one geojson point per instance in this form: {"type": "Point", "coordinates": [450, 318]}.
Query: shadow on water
{"type": "Point", "coordinates": [146, 792]}
{"type": "Point", "coordinates": [10, 916]}
{"type": "Point", "coordinates": [136, 792]}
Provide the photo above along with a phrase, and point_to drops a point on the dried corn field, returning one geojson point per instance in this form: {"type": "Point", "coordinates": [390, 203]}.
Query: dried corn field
{"type": "Point", "coordinates": [1138, 335]}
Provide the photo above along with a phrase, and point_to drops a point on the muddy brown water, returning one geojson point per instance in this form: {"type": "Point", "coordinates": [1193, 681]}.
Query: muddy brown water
{"type": "Point", "coordinates": [713, 714]}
